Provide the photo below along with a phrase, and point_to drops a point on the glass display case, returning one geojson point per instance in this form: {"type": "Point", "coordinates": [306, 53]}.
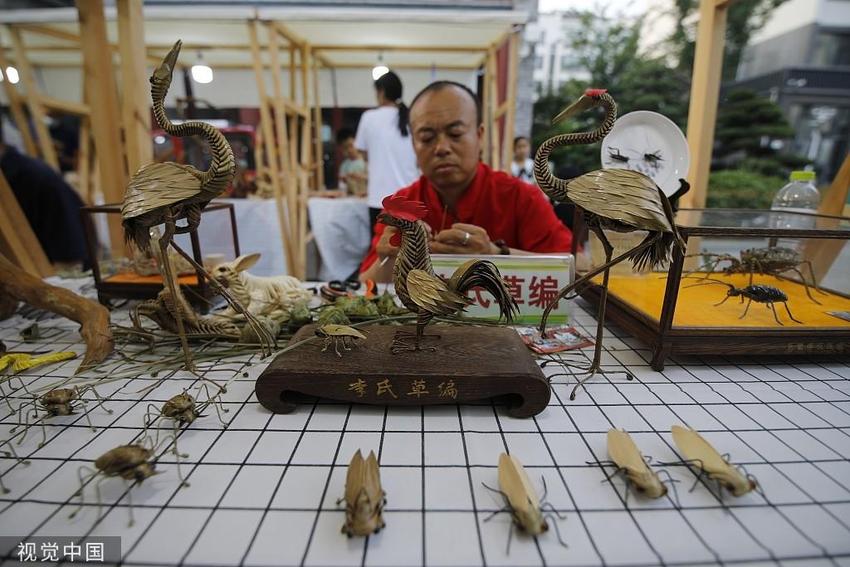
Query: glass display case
{"type": "Point", "coordinates": [123, 272]}
{"type": "Point", "coordinates": [751, 282]}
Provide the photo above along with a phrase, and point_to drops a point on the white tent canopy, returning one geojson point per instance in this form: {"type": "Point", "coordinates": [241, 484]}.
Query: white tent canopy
{"type": "Point", "coordinates": [348, 37]}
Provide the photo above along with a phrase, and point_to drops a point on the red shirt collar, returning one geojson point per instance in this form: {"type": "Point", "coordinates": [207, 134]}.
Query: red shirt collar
{"type": "Point", "coordinates": [465, 207]}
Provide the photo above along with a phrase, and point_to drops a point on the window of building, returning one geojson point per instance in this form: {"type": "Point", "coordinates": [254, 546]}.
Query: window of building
{"type": "Point", "coordinates": [832, 49]}
{"type": "Point", "coordinates": [538, 61]}
{"type": "Point", "coordinates": [568, 62]}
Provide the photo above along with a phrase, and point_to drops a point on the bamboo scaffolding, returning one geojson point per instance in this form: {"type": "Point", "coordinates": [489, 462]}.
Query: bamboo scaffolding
{"type": "Point", "coordinates": [270, 148]}
{"type": "Point", "coordinates": [33, 100]}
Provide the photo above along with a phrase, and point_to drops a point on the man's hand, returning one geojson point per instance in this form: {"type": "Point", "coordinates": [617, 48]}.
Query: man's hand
{"type": "Point", "coordinates": [384, 247]}
{"type": "Point", "coordinates": [454, 240]}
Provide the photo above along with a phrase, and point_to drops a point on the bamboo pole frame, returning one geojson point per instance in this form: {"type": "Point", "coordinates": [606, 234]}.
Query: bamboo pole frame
{"type": "Point", "coordinates": [135, 107]}
{"type": "Point", "coordinates": [100, 88]}
{"type": "Point", "coordinates": [495, 141]}
{"type": "Point", "coordinates": [18, 242]}
{"type": "Point", "coordinates": [290, 130]}
{"type": "Point", "coordinates": [510, 101]}
{"type": "Point", "coordinates": [705, 95]}
{"type": "Point", "coordinates": [282, 141]}
{"type": "Point", "coordinates": [318, 153]}
{"type": "Point", "coordinates": [18, 114]}
{"type": "Point", "coordinates": [39, 117]}
{"type": "Point", "coordinates": [270, 147]}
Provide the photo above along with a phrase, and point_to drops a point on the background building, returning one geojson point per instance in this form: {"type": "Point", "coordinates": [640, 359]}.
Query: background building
{"type": "Point", "coordinates": [801, 60]}
{"type": "Point", "coordinates": [554, 60]}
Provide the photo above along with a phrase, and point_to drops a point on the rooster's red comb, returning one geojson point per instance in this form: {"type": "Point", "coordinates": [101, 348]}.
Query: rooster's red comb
{"type": "Point", "coordinates": [595, 92]}
{"type": "Point", "coordinates": [401, 208]}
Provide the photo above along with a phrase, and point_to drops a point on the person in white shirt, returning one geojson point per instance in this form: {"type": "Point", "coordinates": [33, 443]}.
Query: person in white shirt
{"type": "Point", "coordinates": [522, 165]}
{"type": "Point", "coordinates": [383, 136]}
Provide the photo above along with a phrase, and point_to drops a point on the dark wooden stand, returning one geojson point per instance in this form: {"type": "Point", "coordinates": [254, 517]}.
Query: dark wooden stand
{"type": "Point", "coordinates": [471, 364]}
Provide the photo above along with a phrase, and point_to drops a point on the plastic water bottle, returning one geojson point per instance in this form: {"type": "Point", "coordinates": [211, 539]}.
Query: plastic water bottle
{"type": "Point", "coordinates": [799, 196]}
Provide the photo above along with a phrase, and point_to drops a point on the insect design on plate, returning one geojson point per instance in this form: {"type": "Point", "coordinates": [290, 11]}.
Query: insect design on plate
{"type": "Point", "coordinates": [701, 454]}
{"type": "Point", "coordinates": [339, 334]}
{"type": "Point", "coordinates": [134, 462]}
{"type": "Point", "coordinates": [629, 461]}
{"type": "Point", "coordinates": [614, 154]}
{"type": "Point", "coordinates": [53, 403]}
{"type": "Point", "coordinates": [521, 501]}
{"type": "Point", "coordinates": [770, 261]}
{"type": "Point", "coordinates": [653, 158]}
{"type": "Point", "coordinates": [364, 498]}
{"type": "Point", "coordinates": [183, 409]}
{"type": "Point", "coordinates": [766, 294]}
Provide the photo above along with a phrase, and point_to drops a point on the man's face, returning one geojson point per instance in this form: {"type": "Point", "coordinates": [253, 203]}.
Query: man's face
{"type": "Point", "coordinates": [446, 136]}
{"type": "Point", "coordinates": [348, 149]}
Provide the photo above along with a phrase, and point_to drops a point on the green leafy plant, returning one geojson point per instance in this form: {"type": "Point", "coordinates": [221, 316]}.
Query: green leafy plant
{"type": "Point", "coordinates": [741, 189]}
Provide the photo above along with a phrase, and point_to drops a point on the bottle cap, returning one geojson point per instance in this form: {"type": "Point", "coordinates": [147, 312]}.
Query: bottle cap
{"type": "Point", "coordinates": [802, 176]}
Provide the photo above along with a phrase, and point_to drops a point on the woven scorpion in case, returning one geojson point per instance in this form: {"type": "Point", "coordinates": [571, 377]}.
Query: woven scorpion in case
{"type": "Point", "coordinates": [771, 261]}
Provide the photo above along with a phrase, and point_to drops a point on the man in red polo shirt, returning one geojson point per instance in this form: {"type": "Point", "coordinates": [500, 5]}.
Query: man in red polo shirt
{"type": "Point", "coordinates": [471, 208]}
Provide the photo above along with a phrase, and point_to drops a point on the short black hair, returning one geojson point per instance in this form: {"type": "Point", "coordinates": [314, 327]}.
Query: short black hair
{"type": "Point", "coordinates": [343, 134]}
{"type": "Point", "coordinates": [440, 85]}
{"type": "Point", "coordinates": [518, 139]}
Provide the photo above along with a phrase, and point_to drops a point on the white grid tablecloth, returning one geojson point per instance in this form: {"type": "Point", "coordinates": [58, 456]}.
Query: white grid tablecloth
{"type": "Point", "coordinates": [263, 491]}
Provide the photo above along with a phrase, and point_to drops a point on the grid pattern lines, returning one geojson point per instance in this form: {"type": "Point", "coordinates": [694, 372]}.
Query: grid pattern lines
{"type": "Point", "coordinates": [264, 490]}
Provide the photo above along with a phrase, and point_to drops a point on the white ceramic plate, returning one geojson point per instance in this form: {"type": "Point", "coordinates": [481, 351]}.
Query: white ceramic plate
{"type": "Point", "coordinates": [653, 145]}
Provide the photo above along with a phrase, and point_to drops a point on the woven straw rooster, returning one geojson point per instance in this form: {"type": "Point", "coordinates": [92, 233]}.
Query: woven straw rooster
{"type": "Point", "coordinates": [419, 288]}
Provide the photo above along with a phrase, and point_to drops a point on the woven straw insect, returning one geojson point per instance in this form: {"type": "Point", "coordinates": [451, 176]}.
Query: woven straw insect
{"type": "Point", "coordinates": [364, 497]}
{"type": "Point", "coordinates": [134, 462]}
{"type": "Point", "coordinates": [521, 500]}
{"type": "Point", "coordinates": [16, 362]}
{"type": "Point", "coordinates": [700, 453]}
{"type": "Point", "coordinates": [629, 460]}
{"type": "Point", "coordinates": [55, 402]}
{"type": "Point", "coordinates": [339, 334]}
{"type": "Point", "coordinates": [182, 409]}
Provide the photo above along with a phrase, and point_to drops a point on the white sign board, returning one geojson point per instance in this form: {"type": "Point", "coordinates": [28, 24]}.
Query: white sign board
{"type": "Point", "coordinates": [533, 280]}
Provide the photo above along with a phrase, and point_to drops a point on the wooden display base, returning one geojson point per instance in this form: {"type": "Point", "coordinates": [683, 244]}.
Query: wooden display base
{"type": "Point", "coordinates": [470, 364]}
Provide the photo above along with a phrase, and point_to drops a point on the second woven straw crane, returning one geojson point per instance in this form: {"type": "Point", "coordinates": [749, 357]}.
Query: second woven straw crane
{"type": "Point", "coordinates": [614, 199]}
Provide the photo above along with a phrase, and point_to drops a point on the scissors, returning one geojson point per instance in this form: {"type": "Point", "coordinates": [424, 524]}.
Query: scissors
{"type": "Point", "coordinates": [340, 288]}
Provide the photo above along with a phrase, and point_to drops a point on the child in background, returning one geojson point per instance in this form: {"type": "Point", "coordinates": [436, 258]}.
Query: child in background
{"type": "Point", "coordinates": [522, 165]}
{"type": "Point", "coordinates": [352, 172]}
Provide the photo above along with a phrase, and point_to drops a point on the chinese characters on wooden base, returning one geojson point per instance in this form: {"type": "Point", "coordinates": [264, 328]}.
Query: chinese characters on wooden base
{"type": "Point", "coordinates": [469, 365]}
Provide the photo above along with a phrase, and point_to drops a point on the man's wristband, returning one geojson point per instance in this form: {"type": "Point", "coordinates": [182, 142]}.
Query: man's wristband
{"type": "Point", "coordinates": [503, 247]}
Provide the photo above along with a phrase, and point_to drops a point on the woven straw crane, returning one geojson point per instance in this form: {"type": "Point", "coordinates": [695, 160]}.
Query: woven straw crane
{"type": "Point", "coordinates": [163, 193]}
{"type": "Point", "coordinates": [614, 199]}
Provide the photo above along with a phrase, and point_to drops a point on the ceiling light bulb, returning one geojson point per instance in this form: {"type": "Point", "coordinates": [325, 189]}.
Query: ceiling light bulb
{"type": "Point", "coordinates": [12, 75]}
{"type": "Point", "coordinates": [202, 73]}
